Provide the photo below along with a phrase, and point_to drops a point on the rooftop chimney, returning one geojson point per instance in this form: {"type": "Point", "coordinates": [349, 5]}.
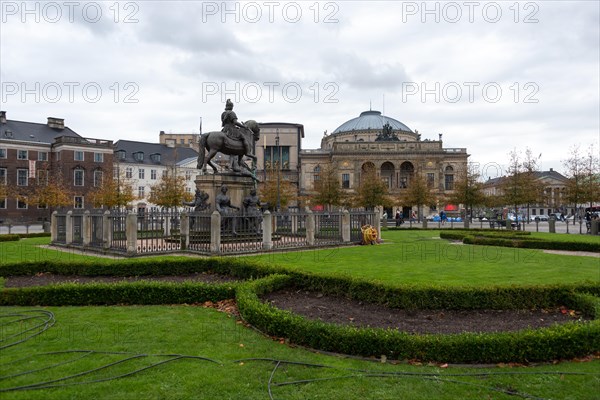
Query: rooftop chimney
{"type": "Point", "coordinates": [2, 117]}
{"type": "Point", "coordinates": [56, 123]}
{"type": "Point", "coordinates": [551, 169]}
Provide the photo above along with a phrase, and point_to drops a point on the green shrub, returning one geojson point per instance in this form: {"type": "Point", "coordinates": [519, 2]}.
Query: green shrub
{"type": "Point", "coordinates": [9, 238]}
{"type": "Point", "coordinates": [534, 244]}
{"type": "Point", "coordinates": [557, 342]}
{"type": "Point", "coordinates": [142, 267]}
{"type": "Point", "coordinates": [34, 235]}
{"type": "Point", "coordinates": [142, 293]}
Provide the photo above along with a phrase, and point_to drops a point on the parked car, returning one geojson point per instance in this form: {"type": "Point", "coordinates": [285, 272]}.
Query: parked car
{"type": "Point", "coordinates": [557, 216]}
{"type": "Point", "coordinates": [540, 217]}
{"type": "Point", "coordinates": [511, 217]}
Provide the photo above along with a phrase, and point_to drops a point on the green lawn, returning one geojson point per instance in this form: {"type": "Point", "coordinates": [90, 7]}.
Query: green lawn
{"type": "Point", "coordinates": [194, 331]}
{"type": "Point", "coordinates": [422, 257]}
{"type": "Point", "coordinates": [405, 257]}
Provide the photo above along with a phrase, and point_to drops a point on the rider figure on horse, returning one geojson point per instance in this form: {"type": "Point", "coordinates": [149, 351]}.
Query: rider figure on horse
{"type": "Point", "coordinates": [232, 127]}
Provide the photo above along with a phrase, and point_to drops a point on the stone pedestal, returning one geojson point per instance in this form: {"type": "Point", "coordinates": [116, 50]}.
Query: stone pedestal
{"type": "Point", "coordinates": [238, 187]}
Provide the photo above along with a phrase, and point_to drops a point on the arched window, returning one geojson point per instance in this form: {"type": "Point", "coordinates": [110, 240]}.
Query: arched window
{"type": "Point", "coordinates": [407, 171]}
{"type": "Point", "coordinates": [387, 173]}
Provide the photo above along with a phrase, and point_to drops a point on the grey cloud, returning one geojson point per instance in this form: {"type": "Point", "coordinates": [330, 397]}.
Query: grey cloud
{"type": "Point", "coordinates": [360, 73]}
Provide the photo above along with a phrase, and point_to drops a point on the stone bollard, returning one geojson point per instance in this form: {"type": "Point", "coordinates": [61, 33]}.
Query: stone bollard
{"type": "Point", "coordinates": [107, 229]}
{"type": "Point", "coordinates": [594, 227]}
{"type": "Point", "coordinates": [69, 227]}
{"type": "Point", "coordinates": [215, 232]}
{"type": "Point", "coordinates": [267, 230]}
{"type": "Point", "coordinates": [552, 225]}
{"type": "Point", "coordinates": [424, 223]}
{"type": "Point", "coordinates": [310, 228]}
{"type": "Point", "coordinates": [53, 227]}
{"type": "Point", "coordinates": [184, 231]}
{"type": "Point", "coordinates": [86, 228]}
{"type": "Point", "coordinates": [346, 226]}
{"type": "Point", "coordinates": [131, 233]}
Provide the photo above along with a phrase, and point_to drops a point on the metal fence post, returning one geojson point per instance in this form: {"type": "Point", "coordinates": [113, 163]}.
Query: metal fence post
{"type": "Point", "coordinates": [267, 231]}
{"type": "Point", "coordinates": [53, 227]}
{"type": "Point", "coordinates": [69, 227]}
{"type": "Point", "coordinates": [107, 227]}
{"type": "Point", "coordinates": [215, 232]}
{"type": "Point", "coordinates": [345, 226]}
{"type": "Point", "coordinates": [184, 231]}
{"type": "Point", "coordinates": [378, 223]}
{"type": "Point", "coordinates": [310, 228]}
{"type": "Point", "coordinates": [86, 227]}
{"type": "Point", "coordinates": [131, 233]}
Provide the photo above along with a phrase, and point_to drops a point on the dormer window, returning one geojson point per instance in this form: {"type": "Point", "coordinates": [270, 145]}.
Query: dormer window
{"type": "Point", "coordinates": [155, 158]}
{"type": "Point", "coordinates": [138, 156]}
{"type": "Point", "coordinates": [120, 155]}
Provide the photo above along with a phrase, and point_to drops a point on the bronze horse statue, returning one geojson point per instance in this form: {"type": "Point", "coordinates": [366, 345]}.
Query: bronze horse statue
{"type": "Point", "coordinates": [218, 141]}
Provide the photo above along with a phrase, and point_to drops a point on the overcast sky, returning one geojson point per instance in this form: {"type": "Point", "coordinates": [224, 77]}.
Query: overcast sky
{"type": "Point", "coordinates": [490, 76]}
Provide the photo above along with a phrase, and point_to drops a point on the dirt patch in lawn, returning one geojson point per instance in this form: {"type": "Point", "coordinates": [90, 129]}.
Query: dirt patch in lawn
{"type": "Point", "coordinates": [44, 279]}
{"type": "Point", "coordinates": [344, 311]}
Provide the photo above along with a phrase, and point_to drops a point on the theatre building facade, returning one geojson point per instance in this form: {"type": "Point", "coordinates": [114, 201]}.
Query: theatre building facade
{"type": "Point", "coordinates": [396, 152]}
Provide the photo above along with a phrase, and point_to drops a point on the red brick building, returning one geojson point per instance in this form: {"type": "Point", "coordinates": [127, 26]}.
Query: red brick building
{"type": "Point", "coordinates": [34, 154]}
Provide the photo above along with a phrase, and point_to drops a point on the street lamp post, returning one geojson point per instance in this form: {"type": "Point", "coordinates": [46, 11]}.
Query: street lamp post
{"type": "Point", "coordinates": [278, 205]}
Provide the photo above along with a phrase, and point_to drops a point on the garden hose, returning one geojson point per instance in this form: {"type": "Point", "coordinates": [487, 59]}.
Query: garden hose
{"type": "Point", "coordinates": [351, 372]}
{"type": "Point", "coordinates": [369, 234]}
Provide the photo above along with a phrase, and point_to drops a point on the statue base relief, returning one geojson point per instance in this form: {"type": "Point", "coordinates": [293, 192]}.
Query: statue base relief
{"type": "Point", "coordinates": [239, 187]}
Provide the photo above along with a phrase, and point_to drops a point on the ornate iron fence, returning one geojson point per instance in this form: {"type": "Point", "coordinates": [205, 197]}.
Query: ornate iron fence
{"type": "Point", "coordinates": [240, 234]}
{"type": "Point", "coordinates": [289, 230]}
{"type": "Point", "coordinates": [328, 228]}
{"type": "Point", "coordinates": [118, 222]}
{"type": "Point", "coordinates": [61, 228]}
{"type": "Point", "coordinates": [199, 232]}
{"type": "Point", "coordinates": [77, 227]}
{"type": "Point", "coordinates": [97, 229]}
{"type": "Point", "coordinates": [158, 231]}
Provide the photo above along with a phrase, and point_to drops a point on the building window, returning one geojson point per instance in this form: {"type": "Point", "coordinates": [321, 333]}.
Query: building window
{"type": "Point", "coordinates": [430, 180]}
{"type": "Point", "coordinates": [42, 177]}
{"type": "Point", "coordinates": [78, 203]}
{"type": "Point", "coordinates": [78, 177]}
{"type": "Point", "coordinates": [277, 159]}
{"type": "Point", "coordinates": [3, 153]}
{"type": "Point", "coordinates": [78, 156]}
{"type": "Point", "coordinates": [346, 181]}
{"type": "Point", "coordinates": [317, 173]}
{"type": "Point", "coordinates": [153, 174]}
{"type": "Point", "coordinates": [42, 156]}
{"type": "Point", "coordinates": [3, 176]}
{"type": "Point", "coordinates": [141, 173]}
{"type": "Point", "coordinates": [165, 173]}
{"type": "Point", "coordinates": [22, 203]}
{"type": "Point", "coordinates": [141, 191]}
{"type": "Point", "coordinates": [58, 156]}
{"type": "Point", "coordinates": [120, 154]}
{"type": "Point", "coordinates": [98, 177]}
{"type": "Point", "coordinates": [42, 206]}
{"type": "Point", "coordinates": [22, 155]}
{"type": "Point", "coordinates": [128, 172]}
{"type": "Point", "coordinates": [190, 141]}
{"type": "Point", "coordinates": [22, 177]}
{"type": "Point", "coordinates": [99, 157]}
{"type": "Point", "coordinates": [449, 178]}
{"type": "Point", "coordinates": [155, 158]}
{"type": "Point", "coordinates": [138, 156]}
{"type": "Point", "coordinates": [188, 175]}
{"type": "Point", "coordinates": [403, 183]}
{"type": "Point", "coordinates": [3, 203]}
{"type": "Point", "coordinates": [182, 141]}
{"type": "Point", "coordinates": [188, 190]}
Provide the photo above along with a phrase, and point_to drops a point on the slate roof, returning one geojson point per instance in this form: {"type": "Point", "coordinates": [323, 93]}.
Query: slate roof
{"type": "Point", "coordinates": [32, 132]}
{"type": "Point", "coordinates": [371, 120]}
{"type": "Point", "coordinates": [169, 155]}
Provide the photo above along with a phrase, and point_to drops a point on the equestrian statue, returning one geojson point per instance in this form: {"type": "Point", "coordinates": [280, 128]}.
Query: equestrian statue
{"type": "Point", "coordinates": [236, 139]}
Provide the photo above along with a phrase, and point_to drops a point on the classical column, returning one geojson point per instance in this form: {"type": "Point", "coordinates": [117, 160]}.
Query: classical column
{"type": "Point", "coordinates": [69, 227]}
{"type": "Point", "coordinates": [86, 228]}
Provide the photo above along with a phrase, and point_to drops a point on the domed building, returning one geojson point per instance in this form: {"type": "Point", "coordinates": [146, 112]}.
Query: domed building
{"type": "Point", "coordinates": [396, 152]}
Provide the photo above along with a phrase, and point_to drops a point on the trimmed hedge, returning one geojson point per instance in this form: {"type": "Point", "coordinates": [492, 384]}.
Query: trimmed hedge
{"type": "Point", "coordinates": [518, 241]}
{"type": "Point", "coordinates": [142, 267]}
{"type": "Point", "coordinates": [561, 341]}
{"type": "Point", "coordinates": [94, 294]}
{"type": "Point", "coordinates": [9, 238]}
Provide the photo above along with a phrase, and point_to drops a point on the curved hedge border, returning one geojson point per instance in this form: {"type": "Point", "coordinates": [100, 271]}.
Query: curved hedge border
{"type": "Point", "coordinates": [518, 242]}
{"type": "Point", "coordinates": [561, 341]}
